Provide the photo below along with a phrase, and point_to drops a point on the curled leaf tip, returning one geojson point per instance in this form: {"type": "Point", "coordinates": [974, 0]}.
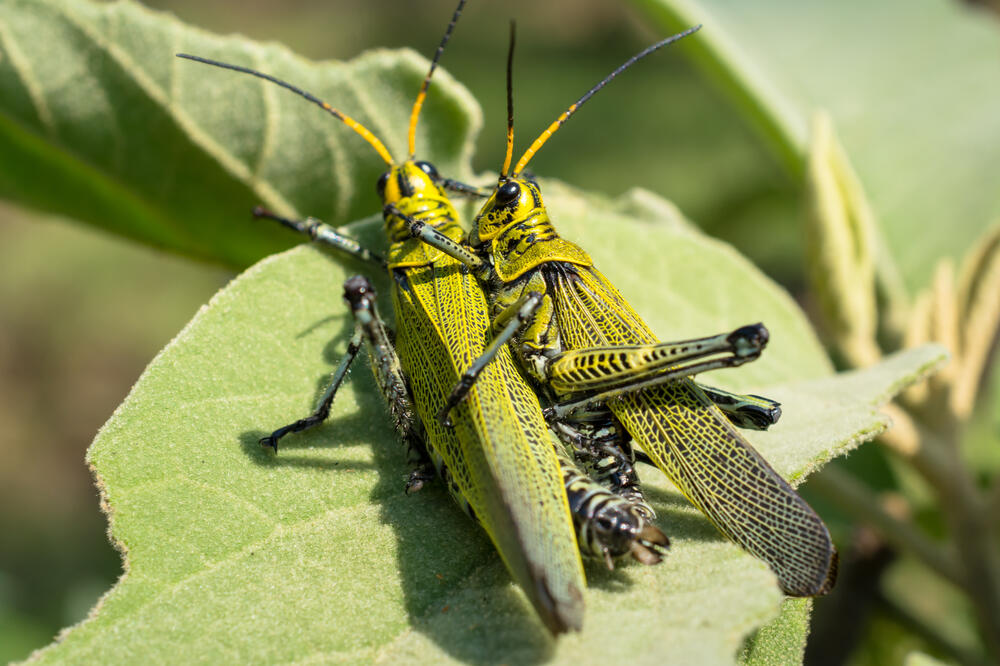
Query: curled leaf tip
{"type": "Point", "coordinates": [840, 246]}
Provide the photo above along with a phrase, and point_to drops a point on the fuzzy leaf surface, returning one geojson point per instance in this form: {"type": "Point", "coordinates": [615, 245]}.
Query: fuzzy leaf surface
{"type": "Point", "coordinates": [233, 555]}
{"type": "Point", "coordinates": [913, 90]}
{"type": "Point", "coordinates": [100, 121]}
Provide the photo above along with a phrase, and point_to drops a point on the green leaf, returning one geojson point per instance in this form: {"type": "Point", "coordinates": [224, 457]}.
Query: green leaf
{"type": "Point", "coordinates": [840, 249]}
{"type": "Point", "coordinates": [775, 644]}
{"type": "Point", "coordinates": [911, 86]}
{"type": "Point", "coordinates": [921, 659]}
{"type": "Point", "coordinates": [232, 555]}
{"type": "Point", "coordinates": [99, 121]}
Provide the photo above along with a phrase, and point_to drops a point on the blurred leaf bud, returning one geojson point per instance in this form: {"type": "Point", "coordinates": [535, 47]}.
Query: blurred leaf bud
{"type": "Point", "coordinates": [840, 248]}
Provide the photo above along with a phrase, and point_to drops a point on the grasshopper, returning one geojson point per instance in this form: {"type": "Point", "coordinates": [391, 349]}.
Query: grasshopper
{"type": "Point", "coordinates": [498, 460]}
{"type": "Point", "coordinates": [585, 348]}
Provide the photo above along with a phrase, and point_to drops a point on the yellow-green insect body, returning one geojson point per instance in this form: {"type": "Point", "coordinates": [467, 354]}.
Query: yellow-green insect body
{"type": "Point", "coordinates": [675, 423]}
{"type": "Point", "coordinates": [498, 454]}
{"type": "Point", "coordinates": [499, 460]}
{"type": "Point", "coordinates": [574, 333]}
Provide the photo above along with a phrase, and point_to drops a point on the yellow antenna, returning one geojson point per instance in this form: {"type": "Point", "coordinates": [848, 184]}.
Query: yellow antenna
{"type": "Point", "coordinates": [422, 95]}
{"type": "Point", "coordinates": [551, 129]}
{"type": "Point", "coordinates": [347, 120]}
{"type": "Point", "coordinates": [510, 103]}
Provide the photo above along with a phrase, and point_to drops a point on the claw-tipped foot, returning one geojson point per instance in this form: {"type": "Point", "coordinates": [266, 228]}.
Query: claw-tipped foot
{"type": "Point", "coordinates": [269, 442]}
{"type": "Point", "coordinates": [749, 341]}
{"type": "Point", "coordinates": [416, 480]}
{"type": "Point", "coordinates": [444, 418]}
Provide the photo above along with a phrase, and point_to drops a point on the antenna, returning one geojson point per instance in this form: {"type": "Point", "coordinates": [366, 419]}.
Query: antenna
{"type": "Point", "coordinates": [339, 115]}
{"type": "Point", "coordinates": [422, 95]}
{"type": "Point", "coordinates": [510, 102]}
{"type": "Point", "coordinates": [551, 129]}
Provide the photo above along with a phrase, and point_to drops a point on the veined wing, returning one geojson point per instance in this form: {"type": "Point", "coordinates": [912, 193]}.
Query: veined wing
{"type": "Point", "coordinates": [693, 443]}
{"type": "Point", "coordinates": [721, 474]}
{"type": "Point", "coordinates": [499, 452]}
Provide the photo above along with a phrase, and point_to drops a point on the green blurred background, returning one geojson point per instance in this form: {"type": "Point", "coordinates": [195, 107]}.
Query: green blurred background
{"type": "Point", "coordinates": [81, 312]}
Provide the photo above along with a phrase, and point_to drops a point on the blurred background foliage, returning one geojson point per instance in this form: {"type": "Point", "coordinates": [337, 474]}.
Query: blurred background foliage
{"type": "Point", "coordinates": [82, 312]}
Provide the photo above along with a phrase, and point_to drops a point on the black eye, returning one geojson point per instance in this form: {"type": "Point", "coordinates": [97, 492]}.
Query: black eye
{"type": "Point", "coordinates": [380, 185]}
{"type": "Point", "coordinates": [428, 168]}
{"type": "Point", "coordinates": [508, 192]}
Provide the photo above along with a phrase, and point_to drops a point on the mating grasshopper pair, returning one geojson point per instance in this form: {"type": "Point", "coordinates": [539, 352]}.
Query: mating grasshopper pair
{"type": "Point", "coordinates": [606, 379]}
{"type": "Point", "coordinates": [575, 335]}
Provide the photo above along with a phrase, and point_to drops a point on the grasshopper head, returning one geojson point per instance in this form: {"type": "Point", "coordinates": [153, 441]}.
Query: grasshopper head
{"type": "Point", "coordinates": [411, 179]}
{"type": "Point", "coordinates": [412, 187]}
{"type": "Point", "coordinates": [516, 199]}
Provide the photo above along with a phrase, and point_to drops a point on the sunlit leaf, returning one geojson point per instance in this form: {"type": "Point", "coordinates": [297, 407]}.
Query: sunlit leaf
{"type": "Point", "coordinates": [912, 89]}
{"type": "Point", "coordinates": [318, 554]}
{"type": "Point", "coordinates": [100, 122]}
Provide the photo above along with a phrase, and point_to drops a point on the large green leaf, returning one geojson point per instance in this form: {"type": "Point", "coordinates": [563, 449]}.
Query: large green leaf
{"type": "Point", "coordinates": [99, 121]}
{"type": "Point", "coordinates": [775, 644]}
{"type": "Point", "coordinates": [235, 556]}
{"type": "Point", "coordinates": [912, 86]}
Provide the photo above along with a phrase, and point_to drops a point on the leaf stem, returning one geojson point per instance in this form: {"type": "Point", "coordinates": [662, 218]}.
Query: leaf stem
{"type": "Point", "coordinates": [857, 499]}
{"type": "Point", "coordinates": [907, 618]}
{"type": "Point", "coordinates": [993, 501]}
{"type": "Point", "coordinates": [924, 451]}
{"type": "Point", "coordinates": [937, 456]}
{"type": "Point", "coordinates": [718, 55]}
{"type": "Point", "coordinates": [967, 512]}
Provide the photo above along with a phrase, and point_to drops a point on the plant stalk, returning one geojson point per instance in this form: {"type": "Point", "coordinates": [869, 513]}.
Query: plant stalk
{"type": "Point", "coordinates": [855, 498]}
{"type": "Point", "coordinates": [907, 618]}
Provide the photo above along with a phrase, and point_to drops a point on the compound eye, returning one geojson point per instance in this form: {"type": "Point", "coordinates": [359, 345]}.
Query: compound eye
{"type": "Point", "coordinates": [508, 192]}
{"type": "Point", "coordinates": [428, 168]}
{"type": "Point", "coordinates": [380, 185]}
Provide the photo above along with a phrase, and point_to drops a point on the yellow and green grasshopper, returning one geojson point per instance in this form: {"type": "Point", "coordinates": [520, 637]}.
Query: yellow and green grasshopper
{"type": "Point", "coordinates": [498, 460]}
{"type": "Point", "coordinates": [578, 338]}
